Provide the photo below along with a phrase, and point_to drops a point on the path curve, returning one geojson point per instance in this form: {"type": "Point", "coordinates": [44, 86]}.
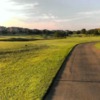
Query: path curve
{"type": "Point", "coordinates": [79, 78]}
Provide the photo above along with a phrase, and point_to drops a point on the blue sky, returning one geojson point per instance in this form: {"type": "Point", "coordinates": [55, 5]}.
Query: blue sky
{"type": "Point", "coordinates": [51, 14]}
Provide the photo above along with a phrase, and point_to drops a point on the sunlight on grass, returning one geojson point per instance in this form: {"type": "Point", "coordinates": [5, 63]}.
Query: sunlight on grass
{"type": "Point", "coordinates": [28, 68]}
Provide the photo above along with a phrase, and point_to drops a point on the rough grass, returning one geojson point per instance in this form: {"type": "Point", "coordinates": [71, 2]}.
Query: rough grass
{"type": "Point", "coordinates": [28, 68]}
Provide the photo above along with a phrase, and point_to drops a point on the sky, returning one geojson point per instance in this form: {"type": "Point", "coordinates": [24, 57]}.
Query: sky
{"type": "Point", "coordinates": [50, 14]}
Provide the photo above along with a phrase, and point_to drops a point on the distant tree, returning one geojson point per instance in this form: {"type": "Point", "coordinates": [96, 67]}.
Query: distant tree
{"type": "Point", "coordinates": [69, 32]}
{"type": "Point", "coordinates": [83, 31]}
{"type": "Point", "coordinates": [90, 32]}
{"type": "Point", "coordinates": [96, 32]}
{"type": "Point", "coordinates": [37, 32]}
{"type": "Point", "coordinates": [13, 33]}
{"type": "Point", "coordinates": [93, 32]}
{"type": "Point", "coordinates": [4, 32]}
{"type": "Point", "coordinates": [60, 34]}
{"type": "Point", "coordinates": [78, 32]}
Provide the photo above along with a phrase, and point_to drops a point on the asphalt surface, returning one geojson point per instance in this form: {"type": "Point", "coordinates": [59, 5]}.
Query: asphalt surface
{"type": "Point", "coordinates": [79, 78]}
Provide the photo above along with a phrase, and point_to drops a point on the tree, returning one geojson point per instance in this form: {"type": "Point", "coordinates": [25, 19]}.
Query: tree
{"type": "Point", "coordinates": [60, 34]}
{"type": "Point", "coordinates": [83, 31]}
{"type": "Point", "coordinates": [78, 32]}
{"type": "Point", "coordinates": [96, 32]}
{"type": "Point", "coordinates": [69, 32]}
{"type": "Point", "coordinates": [4, 32]}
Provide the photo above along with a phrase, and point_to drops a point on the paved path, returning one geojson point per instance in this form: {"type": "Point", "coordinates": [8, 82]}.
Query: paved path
{"type": "Point", "coordinates": [79, 78]}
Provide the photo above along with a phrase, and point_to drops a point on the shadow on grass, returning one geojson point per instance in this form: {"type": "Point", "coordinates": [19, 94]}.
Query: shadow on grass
{"type": "Point", "coordinates": [19, 39]}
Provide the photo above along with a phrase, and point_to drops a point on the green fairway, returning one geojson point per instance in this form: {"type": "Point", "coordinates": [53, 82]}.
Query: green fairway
{"type": "Point", "coordinates": [28, 68]}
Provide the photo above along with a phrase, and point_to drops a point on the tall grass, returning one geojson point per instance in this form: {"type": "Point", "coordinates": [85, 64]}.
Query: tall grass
{"type": "Point", "coordinates": [28, 68]}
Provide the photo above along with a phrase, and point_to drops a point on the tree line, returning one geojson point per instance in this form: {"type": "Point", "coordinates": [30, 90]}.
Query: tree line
{"type": "Point", "coordinates": [47, 33]}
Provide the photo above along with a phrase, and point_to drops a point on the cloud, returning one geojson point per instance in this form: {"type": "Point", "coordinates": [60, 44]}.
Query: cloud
{"type": "Point", "coordinates": [44, 10]}
{"type": "Point", "coordinates": [80, 16]}
{"type": "Point", "coordinates": [68, 19]}
{"type": "Point", "coordinates": [25, 9]}
{"type": "Point", "coordinates": [45, 13]}
{"type": "Point", "coordinates": [90, 12]}
{"type": "Point", "coordinates": [48, 16]}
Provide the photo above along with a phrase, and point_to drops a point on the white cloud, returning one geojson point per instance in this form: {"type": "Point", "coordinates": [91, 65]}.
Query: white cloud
{"type": "Point", "coordinates": [66, 20]}
{"type": "Point", "coordinates": [10, 10]}
{"type": "Point", "coordinates": [45, 17]}
{"type": "Point", "coordinates": [90, 12]}
{"type": "Point", "coordinates": [79, 16]}
{"type": "Point", "coordinates": [75, 18]}
{"type": "Point", "coordinates": [48, 16]}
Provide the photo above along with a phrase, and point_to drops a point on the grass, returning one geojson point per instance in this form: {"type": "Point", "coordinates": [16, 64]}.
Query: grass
{"type": "Point", "coordinates": [97, 45]}
{"type": "Point", "coordinates": [21, 38]}
{"type": "Point", "coordinates": [28, 68]}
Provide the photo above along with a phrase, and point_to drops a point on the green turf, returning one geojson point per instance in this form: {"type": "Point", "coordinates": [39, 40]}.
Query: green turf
{"type": "Point", "coordinates": [28, 68]}
{"type": "Point", "coordinates": [97, 45]}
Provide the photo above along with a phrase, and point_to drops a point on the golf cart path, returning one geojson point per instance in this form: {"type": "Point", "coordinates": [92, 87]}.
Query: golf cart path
{"type": "Point", "coordinates": [79, 77]}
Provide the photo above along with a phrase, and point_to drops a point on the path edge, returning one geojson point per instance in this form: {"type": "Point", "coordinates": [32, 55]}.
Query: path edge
{"type": "Point", "coordinates": [64, 62]}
